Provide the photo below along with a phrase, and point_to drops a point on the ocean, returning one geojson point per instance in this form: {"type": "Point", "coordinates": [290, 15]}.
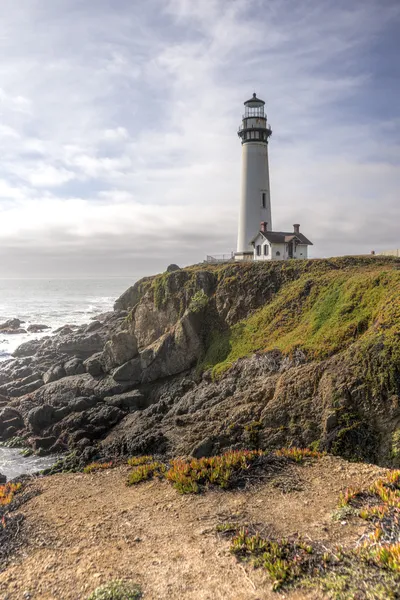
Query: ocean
{"type": "Point", "coordinates": [54, 302]}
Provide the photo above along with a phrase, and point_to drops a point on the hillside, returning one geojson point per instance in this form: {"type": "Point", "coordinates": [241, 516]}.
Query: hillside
{"type": "Point", "coordinates": [207, 358]}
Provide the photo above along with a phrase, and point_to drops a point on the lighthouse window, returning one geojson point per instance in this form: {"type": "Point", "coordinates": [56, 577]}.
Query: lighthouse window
{"type": "Point", "coordinates": [266, 250]}
{"type": "Point", "coordinates": [263, 199]}
{"type": "Point", "coordinates": [258, 250]}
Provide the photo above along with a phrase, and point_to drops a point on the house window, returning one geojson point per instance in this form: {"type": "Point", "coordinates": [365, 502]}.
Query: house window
{"type": "Point", "coordinates": [278, 253]}
{"type": "Point", "coordinates": [258, 250]}
{"type": "Point", "coordinates": [263, 199]}
{"type": "Point", "coordinates": [266, 249]}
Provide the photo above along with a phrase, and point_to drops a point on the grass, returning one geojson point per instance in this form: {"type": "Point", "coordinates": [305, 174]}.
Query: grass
{"type": "Point", "coordinates": [192, 476]}
{"type": "Point", "coordinates": [96, 466]}
{"type": "Point", "coordinates": [117, 590]}
{"type": "Point", "coordinates": [7, 492]}
{"type": "Point", "coordinates": [320, 313]}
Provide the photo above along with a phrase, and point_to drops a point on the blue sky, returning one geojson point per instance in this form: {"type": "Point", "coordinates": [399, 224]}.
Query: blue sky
{"type": "Point", "coordinates": [118, 125]}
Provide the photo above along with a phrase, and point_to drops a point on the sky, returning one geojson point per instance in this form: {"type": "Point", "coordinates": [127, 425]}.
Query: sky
{"type": "Point", "coordinates": [118, 128]}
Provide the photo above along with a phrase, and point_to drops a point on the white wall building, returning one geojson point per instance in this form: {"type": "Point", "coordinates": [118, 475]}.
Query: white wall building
{"type": "Point", "coordinates": [279, 245]}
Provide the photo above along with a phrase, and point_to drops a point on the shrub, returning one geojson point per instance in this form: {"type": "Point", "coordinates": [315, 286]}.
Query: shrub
{"type": "Point", "coordinates": [142, 472]}
{"type": "Point", "coordinates": [117, 590]}
{"type": "Point", "coordinates": [96, 466]}
{"type": "Point", "coordinates": [140, 460]}
{"type": "Point", "coordinates": [298, 454]}
{"type": "Point", "coordinates": [198, 302]}
{"type": "Point", "coordinates": [7, 492]}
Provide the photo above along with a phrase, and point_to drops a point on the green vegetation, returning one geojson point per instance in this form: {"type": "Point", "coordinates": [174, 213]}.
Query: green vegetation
{"type": "Point", "coordinates": [142, 472]}
{"type": "Point", "coordinates": [198, 302]}
{"type": "Point", "coordinates": [321, 313]}
{"type": "Point", "coordinates": [117, 590]}
{"type": "Point", "coordinates": [96, 466]}
{"type": "Point", "coordinates": [228, 470]}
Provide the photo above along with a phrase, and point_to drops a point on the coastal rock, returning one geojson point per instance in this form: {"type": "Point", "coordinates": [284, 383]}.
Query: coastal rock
{"type": "Point", "coordinates": [93, 365]}
{"type": "Point", "coordinates": [130, 371]}
{"type": "Point", "coordinates": [132, 295]}
{"type": "Point", "coordinates": [171, 268]}
{"type": "Point", "coordinates": [134, 400]}
{"type": "Point", "coordinates": [40, 417]}
{"type": "Point", "coordinates": [93, 326]}
{"type": "Point", "coordinates": [74, 366]}
{"type": "Point", "coordinates": [3, 478]}
{"type": "Point", "coordinates": [43, 443]}
{"type": "Point", "coordinates": [121, 348]}
{"type": "Point", "coordinates": [36, 328]}
{"type": "Point", "coordinates": [83, 345]}
{"type": "Point", "coordinates": [10, 325]}
{"type": "Point", "coordinates": [54, 373]}
{"type": "Point", "coordinates": [28, 348]}
{"type": "Point", "coordinates": [10, 422]}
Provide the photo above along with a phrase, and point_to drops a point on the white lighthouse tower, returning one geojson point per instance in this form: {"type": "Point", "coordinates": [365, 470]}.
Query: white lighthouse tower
{"type": "Point", "coordinates": [255, 204]}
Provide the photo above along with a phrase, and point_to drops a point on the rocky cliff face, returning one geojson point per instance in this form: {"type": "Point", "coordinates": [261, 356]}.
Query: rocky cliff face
{"type": "Point", "coordinates": [213, 357]}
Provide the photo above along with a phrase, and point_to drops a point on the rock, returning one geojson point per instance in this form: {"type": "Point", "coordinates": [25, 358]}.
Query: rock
{"type": "Point", "coordinates": [74, 366]}
{"type": "Point", "coordinates": [133, 400]}
{"type": "Point", "coordinates": [19, 390]}
{"type": "Point", "coordinates": [10, 324]}
{"type": "Point", "coordinates": [132, 295]}
{"type": "Point", "coordinates": [3, 478]}
{"type": "Point", "coordinates": [28, 348]}
{"type": "Point", "coordinates": [65, 329]}
{"type": "Point", "coordinates": [204, 448]}
{"type": "Point", "coordinates": [81, 404]}
{"type": "Point", "coordinates": [130, 371]}
{"type": "Point", "coordinates": [83, 443]}
{"type": "Point", "coordinates": [172, 268]}
{"type": "Point", "coordinates": [44, 443]}
{"type": "Point", "coordinates": [331, 422]}
{"type": "Point", "coordinates": [10, 419]}
{"type": "Point", "coordinates": [13, 331]}
{"type": "Point", "coordinates": [82, 345]}
{"type": "Point", "coordinates": [94, 326]}
{"type": "Point", "coordinates": [40, 418]}
{"type": "Point", "coordinates": [93, 365]}
{"type": "Point", "coordinates": [35, 328]}
{"type": "Point", "coordinates": [121, 348]}
{"type": "Point", "coordinates": [54, 373]}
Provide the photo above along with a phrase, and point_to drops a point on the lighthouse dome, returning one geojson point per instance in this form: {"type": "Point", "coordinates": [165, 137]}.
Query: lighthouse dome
{"type": "Point", "coordinates": [254, 102]}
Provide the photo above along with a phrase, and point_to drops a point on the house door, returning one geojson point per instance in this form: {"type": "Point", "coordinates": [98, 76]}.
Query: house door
{"type": "Point", "coordinates": [290, 249]}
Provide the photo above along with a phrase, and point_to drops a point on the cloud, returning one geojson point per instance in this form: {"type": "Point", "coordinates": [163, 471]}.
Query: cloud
{"type": "Point", "coordinates": [118, 128]}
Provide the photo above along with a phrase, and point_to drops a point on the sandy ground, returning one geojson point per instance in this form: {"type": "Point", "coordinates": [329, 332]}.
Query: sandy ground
{"type": "Point", "coordinates": [85, 530]}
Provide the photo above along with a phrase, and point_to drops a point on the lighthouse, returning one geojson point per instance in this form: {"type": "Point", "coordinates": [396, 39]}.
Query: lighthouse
{"type": "Point", "coordinates": [255, 205]}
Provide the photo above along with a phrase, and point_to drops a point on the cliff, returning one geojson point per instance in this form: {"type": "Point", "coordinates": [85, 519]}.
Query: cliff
{"type": "Point", "coordinates": [209, 357]}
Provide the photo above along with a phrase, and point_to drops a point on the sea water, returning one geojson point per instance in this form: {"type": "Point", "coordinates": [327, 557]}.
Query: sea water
{"type": "Point", "coordinates": [52, 302]}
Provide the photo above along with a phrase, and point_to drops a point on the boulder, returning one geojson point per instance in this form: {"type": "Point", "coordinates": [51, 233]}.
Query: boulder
{"type": "Point", "coordinates": [40, 417]}
{"type": "Point", "coordinates": [54, 374]}
{"type": "Point", "coordinates": [94, 326]}
{"type": "Point", "coordinates": [74, 366]}
{"type": "Point", "coordinates": [10, 417]}
{"type": "Point", "coordinates": [171, 268]}
{"type": "Point", "coordinates": [130, 371]}
{"type": "Point", "coordinates": [204, 448]}
{"type": "Point", "coordinates": [133, 400]}
{"type": "Point", "coordinates": [121, 348]}
{"type": "Point", "coordinates": [18, 390]}
{"type": "Point", "coordinates": [82, 345]}
{"type": "Point", "coordinates": [28, 348]}
{"type": "Point", "coordinates": [10, 324]}
{"type": "Point", "coordinates": [36, 328]}
{"type": "Point", "coordinates": [83, 403]}
{"type": "Point", "coordinates": [43, 443]}
{"type": "Point", "coordinates": [93, 365]}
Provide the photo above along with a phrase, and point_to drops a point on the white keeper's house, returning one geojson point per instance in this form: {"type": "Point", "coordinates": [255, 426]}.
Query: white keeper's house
{"type": "Point", "coordinates": [256, 238]}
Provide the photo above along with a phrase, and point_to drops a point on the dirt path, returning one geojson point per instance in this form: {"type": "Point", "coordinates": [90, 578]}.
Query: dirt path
{"type": "Point", "coordinates": [85, 530]}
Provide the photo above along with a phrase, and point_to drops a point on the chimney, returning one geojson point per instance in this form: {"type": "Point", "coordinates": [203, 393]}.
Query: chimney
{"type": "Point", "coordinates": [263, 226]}
{"type": "Point", "coordinates": [296, 228]}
